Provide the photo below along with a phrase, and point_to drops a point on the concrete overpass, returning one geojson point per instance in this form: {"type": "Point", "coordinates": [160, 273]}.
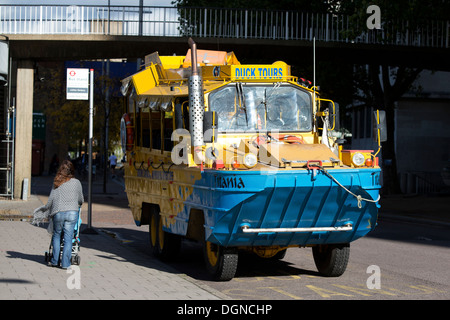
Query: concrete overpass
{"type": "Point", "coordinates": [39, 33]}
{"type": "Point", "coordinates": [71, 47]}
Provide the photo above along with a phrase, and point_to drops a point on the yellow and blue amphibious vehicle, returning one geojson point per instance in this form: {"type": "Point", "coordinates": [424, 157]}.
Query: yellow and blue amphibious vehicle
{"type": "Point", "coordinates": [241, 157]}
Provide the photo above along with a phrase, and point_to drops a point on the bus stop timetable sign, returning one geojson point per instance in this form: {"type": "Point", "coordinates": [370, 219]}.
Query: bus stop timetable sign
{"type": "Point", "coordinates": [77, 84]}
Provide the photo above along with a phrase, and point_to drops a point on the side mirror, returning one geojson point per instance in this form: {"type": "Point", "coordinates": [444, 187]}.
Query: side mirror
{"type": "Point", "coordinates": [336, 117]}
{"type": "Point", "coordinates": [379, 126]}
{"type": "Point", "coordinates": [333, 113]}
{"type": "Point", "coordinates": [209, 126]}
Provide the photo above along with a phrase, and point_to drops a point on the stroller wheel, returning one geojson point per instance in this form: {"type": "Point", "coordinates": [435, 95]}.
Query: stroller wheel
{"type": "Point", "coordinates": [76, 260]}
{"type": "Point", "coordinates": [47, 258]}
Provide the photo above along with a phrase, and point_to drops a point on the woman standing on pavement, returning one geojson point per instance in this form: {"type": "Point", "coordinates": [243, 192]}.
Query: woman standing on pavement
{"type": "Point", "coordinates": [62, 206]}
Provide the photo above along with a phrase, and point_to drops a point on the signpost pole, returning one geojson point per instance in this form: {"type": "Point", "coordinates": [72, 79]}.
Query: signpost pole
{"type": "Point", "coordinates": [89, 228]}
{"type": "Point", "coordinates": [80, 86]}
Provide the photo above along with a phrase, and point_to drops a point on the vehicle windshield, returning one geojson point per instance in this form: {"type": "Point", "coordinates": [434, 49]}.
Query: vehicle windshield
{"type": "Point", "coordinates": [260, 107]}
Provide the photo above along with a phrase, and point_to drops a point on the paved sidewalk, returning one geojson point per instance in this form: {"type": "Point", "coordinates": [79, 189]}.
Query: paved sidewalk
{"type": "Point", "coordinates": [109, 268]}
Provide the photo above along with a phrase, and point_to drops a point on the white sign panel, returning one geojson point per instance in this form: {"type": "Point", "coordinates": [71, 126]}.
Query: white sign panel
{"type": "Point", "coordinates": [77, 84]}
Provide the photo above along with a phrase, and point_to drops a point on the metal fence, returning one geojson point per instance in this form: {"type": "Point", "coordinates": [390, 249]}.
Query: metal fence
{"type": "Point", "coordinates": [214, 22]}
{"type": "Point", "coordinates": [420, 182]}
{"type": "Point", "coordinates": [113, 20]}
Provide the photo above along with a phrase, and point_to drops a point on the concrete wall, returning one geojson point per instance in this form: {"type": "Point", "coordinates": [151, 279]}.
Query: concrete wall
{"type": "Point", "coordinates": [423, 135]}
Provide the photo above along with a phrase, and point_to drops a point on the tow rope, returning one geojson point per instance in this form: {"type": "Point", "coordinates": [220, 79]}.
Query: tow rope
{"type": "Point", "coordinates": [358, 197]}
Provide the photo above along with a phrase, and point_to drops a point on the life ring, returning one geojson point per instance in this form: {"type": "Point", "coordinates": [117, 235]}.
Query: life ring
{"type": "Point", "coordinates": [126, 133]}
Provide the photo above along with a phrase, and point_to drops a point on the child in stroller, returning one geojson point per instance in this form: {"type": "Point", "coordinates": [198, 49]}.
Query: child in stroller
{"type": "Point", "coordinates": [75, 258]}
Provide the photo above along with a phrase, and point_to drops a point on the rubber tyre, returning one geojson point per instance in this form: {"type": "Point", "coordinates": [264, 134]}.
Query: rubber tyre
{"type": "Point", "coordinates": [164, 245]}
{"type": "Point", "coordinates": [220, 262]}
{"type": "Point", "coordinates": [75, 260]}
{"type": "Point", "coordinates": [153, 233]}
{"type": "Point", "coordinates": [331, 260]}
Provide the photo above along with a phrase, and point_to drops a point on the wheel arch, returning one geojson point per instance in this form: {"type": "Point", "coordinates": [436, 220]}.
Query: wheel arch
{"type": "Point", "coordinates": [147, 210]}
{"type": "Point", "coordinates": [196, 225]}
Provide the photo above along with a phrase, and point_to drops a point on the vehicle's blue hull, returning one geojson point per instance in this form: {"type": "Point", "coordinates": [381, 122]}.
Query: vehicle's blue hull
{"type": "Point", "coordinates": [283, 199]}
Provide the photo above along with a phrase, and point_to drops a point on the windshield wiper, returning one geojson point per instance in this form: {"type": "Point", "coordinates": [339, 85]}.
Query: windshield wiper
{"type": "Point", "coordinates": [265, 103]}
{"type": "Point", "coordinates": [242, 105]}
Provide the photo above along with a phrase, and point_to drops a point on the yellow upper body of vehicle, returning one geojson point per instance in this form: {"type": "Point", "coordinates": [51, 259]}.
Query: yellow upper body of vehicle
{"type": "Point", "coordinates": [246, 106]}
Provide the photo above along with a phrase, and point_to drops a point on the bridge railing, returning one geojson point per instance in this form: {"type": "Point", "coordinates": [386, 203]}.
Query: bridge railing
{"type": "Point", "coordinates": [214, 22]}
{"type": "Point", "coordinates": [113, 20]}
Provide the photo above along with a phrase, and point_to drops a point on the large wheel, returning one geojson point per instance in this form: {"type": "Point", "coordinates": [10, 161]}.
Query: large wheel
{"type": "Point", "coordinates": [153, 233]}
{"type": "Point", "coordinates": [163, 244]}
{"type": "Point", "coordinates": [221, 262]}
{"type": "Point", "coordinates": [331, 260]}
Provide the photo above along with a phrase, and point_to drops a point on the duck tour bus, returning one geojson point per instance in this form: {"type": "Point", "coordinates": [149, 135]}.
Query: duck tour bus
{"type": "Point", "coordinates": [241, 157]}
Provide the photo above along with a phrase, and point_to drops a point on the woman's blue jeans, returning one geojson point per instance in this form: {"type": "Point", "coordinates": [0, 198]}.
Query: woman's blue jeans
{"type": "Point", "coordinates": [63, 221]}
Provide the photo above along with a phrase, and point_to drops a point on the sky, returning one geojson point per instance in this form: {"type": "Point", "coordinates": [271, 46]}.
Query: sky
{"type": "Point", "coordinates": [164, 3]}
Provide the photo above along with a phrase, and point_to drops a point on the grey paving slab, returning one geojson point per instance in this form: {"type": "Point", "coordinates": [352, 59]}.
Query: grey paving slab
{"type": "Point", "coordinates": [108, 270]}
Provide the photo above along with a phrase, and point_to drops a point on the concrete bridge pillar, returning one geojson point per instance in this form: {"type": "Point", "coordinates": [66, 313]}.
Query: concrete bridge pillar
{"type": "Point", "coordinates": [24, 127]}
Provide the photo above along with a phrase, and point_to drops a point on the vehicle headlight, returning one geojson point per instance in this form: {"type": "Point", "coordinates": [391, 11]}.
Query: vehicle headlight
{"type": "Point", "coordinates": [358, 159]}
{"type": "Point", "coordinates": [250, 160]}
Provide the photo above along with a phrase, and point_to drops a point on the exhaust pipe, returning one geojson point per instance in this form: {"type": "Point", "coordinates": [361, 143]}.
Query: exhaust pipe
{"type": "Point", "coordinates": [196, 105]}
{"type": "Point", "coordinates": [193, 47]}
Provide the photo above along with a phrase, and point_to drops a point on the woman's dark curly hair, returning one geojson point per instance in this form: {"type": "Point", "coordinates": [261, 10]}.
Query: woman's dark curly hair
{"type": "Point", "coordinates": [65, 172]}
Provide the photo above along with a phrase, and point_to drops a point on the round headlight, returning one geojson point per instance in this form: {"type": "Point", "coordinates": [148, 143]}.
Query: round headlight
{"type": "Point", "coordinates": [358, 159]}
{"type": "Point", "coordinates": [250, 160]}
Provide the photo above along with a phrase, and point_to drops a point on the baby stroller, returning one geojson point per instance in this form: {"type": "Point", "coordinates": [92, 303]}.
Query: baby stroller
{"type": "Point", "coordinates": [75, 259]}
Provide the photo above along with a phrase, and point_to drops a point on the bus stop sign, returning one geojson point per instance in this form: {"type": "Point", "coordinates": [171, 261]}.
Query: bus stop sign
{"type": "Point", "coordinates": [77, 84]}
